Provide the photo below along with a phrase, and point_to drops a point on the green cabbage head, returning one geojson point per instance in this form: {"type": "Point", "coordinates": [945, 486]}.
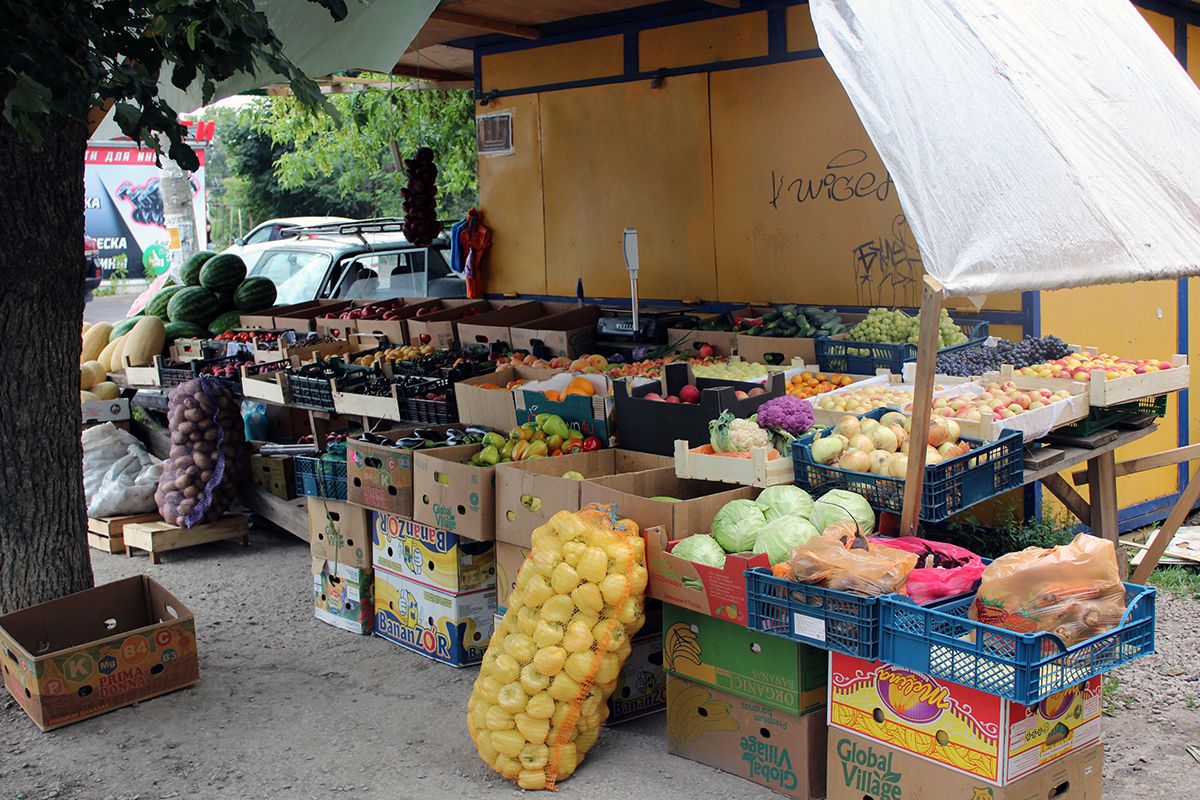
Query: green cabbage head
{"type": "Point", "coordinates": [838, 504]}
{"type": "Point", "coordinates": [735, 527]}
{"type": "Point", "coordinates": [779, 537]}
{"type": "Point", "coordinates": [701, 549]}
{"type": "Point", "coordinates": [785, 500]}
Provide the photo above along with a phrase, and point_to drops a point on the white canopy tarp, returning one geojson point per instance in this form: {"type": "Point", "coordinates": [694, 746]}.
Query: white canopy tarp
{"type": "Point", "coordinates": [1034, 145]}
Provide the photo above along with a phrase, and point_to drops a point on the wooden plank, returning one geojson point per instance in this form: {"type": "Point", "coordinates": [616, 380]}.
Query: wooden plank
{"type": "Point", "coordinates": [485, 23]}
{"type": "Point", "coordinates": [1074, 456]}
{"type": "Point", "coordinates": [112, 526]}
{"type": "Point", "coordinates": [927, 345]}
{"type": "Point", "coordinates": [288, 515]}
{"type": "Point", "coordinates": [1043, 457]}
{"type": "Point", "coordinates": [1176, 455]}
{"type": "Point", "coordinates": [108, 544]}
{"type": "Point", "coordinates": [159, 537]}
{"type": "Point", "coordinates": [1178, 554]}
{"type": "Point", "coordinates": [754, 471]}
{"type": "Point", "coordinates": [1069, 497]}
{"type": "Point", "coordinates": [1093, 442]}
{"type": "Point", "coordinates": [1179, 512]}
{"type": "Point", "coordinates": [1103, 475]}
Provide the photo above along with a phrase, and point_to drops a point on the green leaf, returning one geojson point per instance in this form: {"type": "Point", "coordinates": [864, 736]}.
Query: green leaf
{"type": "Point", "coordinates": [27, 101]}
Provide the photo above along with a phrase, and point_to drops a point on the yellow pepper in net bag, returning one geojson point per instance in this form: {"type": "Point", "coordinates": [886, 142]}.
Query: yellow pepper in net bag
{"type": "Point", "coordinates": [551, 665]}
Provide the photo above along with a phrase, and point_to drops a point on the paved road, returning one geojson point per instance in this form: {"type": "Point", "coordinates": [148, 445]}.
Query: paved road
{"type": "Point", "coordinates": [108, 309]}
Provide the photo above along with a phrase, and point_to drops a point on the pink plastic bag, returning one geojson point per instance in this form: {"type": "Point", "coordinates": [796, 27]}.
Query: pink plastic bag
{"type": "Point", "coordinates": [942, 570]}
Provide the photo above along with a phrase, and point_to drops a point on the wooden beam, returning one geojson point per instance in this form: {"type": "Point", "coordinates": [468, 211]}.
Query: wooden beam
{"type": "Point", "coordinates": [1069, 497]}
{"type": "Point", "coordinates": [486, 23]}
{"type": "Point", "coordinates": [436, 75]}
{"type": "Point", "coordinates": [727, 3]}
{"type": "Point", "coordinates": [1102, 475]}
{"type": "Point", "coordinates": [927, 345]}
{"type": "Point", "coordinates": [1162, 539]}
{"type": "Point", "coordinates": [1166, 458]}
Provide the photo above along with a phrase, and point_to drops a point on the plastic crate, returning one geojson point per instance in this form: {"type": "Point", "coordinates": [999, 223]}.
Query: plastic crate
{"type": "Point", "coordinates": [1023, 667]}
{"type": "Point", "coordinates": [314, 388]}
{"type": "Point", "coordinates": [318, 478]}
{"type": "Point", "coordinates": [414, 408]}
{"type": "Point", "coordinates": [988, 469]}
{"type": "Point", "coordinates": [865, 358]}
{"type": "Point", "coordinates": [824, 618]}
{"type": "Point", "coordinates": [171, 374]}
{"type": "Point", "coordinates": [1100, 418]}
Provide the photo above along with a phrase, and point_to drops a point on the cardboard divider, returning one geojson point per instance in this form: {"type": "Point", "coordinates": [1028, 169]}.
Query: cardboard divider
{"type": "Point", "coordinates": [571, 334]}
{"type": "Point", "coordinates": [440, 328]}
{"type": "Point", "coordinates": [495, 408]}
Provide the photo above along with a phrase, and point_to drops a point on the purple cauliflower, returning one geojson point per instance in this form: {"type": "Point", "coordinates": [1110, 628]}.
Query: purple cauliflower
{"type": "Point", "coordinates": [787, 413]}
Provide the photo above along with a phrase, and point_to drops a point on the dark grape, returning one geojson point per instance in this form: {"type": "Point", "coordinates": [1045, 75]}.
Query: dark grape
{"type": "Point", "coordinates": [1025, 353]}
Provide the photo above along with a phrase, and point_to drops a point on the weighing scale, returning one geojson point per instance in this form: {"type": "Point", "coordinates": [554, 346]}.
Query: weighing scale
{"type": "Point", "coordinates": [624, 329]}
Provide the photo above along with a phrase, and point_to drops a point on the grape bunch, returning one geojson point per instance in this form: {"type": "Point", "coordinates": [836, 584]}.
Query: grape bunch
{"type": "Point", "coordinates": [978, 360]}
{"type": "Point", "coordinates": [892, 326]}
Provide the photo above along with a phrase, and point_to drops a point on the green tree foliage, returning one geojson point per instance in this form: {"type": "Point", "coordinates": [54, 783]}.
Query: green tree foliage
{"type": "Point", "coordinates": [354, 152]}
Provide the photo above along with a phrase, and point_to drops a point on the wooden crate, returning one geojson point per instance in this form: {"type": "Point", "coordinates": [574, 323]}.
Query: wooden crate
{"type": "Point", "coordinates": [362, 405]}
{"type": "Point", "coordinates": [270, 387]}
{"type": "Point", "coordinates": [107, 533]}
{"type": "Point", "coordinates": [275, 475]}
{"type": "Point", "coordinates": [157, 538]}
{"type": "Point", "coordinates": [1103, 393]}
{"type": "Point", "coordinates": [754, 471]}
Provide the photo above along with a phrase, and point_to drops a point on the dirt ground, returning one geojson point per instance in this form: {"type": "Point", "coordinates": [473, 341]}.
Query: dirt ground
{"type": "Point", "coordinates": [289, 707]}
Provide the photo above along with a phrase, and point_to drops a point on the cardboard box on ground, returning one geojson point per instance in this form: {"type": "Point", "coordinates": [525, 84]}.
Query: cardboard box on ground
{"type": "Point", "coordinates": [97, 650]}
{"type": "Point", "coordinates": [862, 769]}
{"type": "Point", "coordinates": [275, 475]}
{"type": "Point", "coordinates": [781, 751]}
{"type": "Point", "coordinates": [451, 628]}
{"type": "Point", "coordinates": [380, 477]}
{"type": "Point", "coordinates": [339, 532]}
{"type": "Point", "coordinates": [343, 596]}
{"type": "Point", "coordinates": [431, 556]}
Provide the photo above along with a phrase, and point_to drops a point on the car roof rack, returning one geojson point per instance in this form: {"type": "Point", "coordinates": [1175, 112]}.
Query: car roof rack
{"type": "Point", "coordinates": [354, 228]}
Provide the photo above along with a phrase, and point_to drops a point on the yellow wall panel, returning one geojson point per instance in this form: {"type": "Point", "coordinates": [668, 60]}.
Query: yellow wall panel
{"type": "Point", "coordinates": [558, 63]}
{"type": "Point", "coordinates": [805, 210]}
{"type": "Point", "coordinates": [510, 194]}
{"type": "Point", "coordinates": [626, 155]}
{"type": "Point", "coordinates": [801, 35]}
{"type": "Point", "coordinates": [1163, 25]}
{"type": "Point", "coordinates": [1193, 52]}
{"type": "Point", "coordinates": [704, 42]}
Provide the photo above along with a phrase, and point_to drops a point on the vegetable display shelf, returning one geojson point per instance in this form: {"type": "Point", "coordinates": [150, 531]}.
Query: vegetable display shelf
{"type": "Point", "coordinates": [1099, 418]}
{"type": "Point", "coordinates": [943, 642]}
{"type": "Point", "coordinates": [864, 358]}
{"type": "Point", "coordinates": [320, 478]}
{"type": "Point", "coordinates": [311, 386]}
{"type": "Point", "coordinates": [172, 374]}
{"type": "Point", "coordinates": [986, 470]}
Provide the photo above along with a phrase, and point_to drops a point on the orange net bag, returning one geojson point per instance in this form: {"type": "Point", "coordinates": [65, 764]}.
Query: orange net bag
{"type": "Point", "coordinates": [550, 667]}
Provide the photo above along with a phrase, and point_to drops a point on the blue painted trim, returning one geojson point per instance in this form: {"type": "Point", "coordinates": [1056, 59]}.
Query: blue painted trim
{"type": "Point", "coordinates": [776, 31]}
{"type": "Point", "coordinates": [1182, 322]}
{"type": "Point", "coordinates": [1031, 313]}
{"type": "Point", "coordinates": [1180, 13]}
{"type": "Point", "coordinates": [476, 67]}
{"type": "Point", "coordinates": [632, 55]}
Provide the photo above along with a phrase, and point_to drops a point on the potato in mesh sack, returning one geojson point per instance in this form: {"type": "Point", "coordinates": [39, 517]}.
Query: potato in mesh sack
{"type": "Point", "coordinates": [1074, 591]}
{"type": "Point", "coordinates": [208, 454]}
{"type": "Point", "coordinates": [550, 667]}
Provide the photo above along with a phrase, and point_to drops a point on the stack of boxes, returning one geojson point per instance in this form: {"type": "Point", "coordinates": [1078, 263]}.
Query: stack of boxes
{"type": "Point", "coordinates": [342, 575]}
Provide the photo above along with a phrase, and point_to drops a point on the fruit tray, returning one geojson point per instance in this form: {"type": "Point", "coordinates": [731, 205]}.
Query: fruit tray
{"type": "Point", "coordinates": [267, 381]}
{"type": "Point", "coordinates": [1105, 393]}
{"type": "Point", "coordinates": [417, 406]}
{"type": "Point", "coordinates": [320, 478]}
{"type": "Point", "coordinates": [757, 470]}
{"type": "Point", "coordinates": [1100, 418]}
{"type": "Point", "coordinates": [312, 386]}
{"type": "Point", "coordinates": [941, 641]}
{"type": "Point", "coordinates": [864, 358]}
{"type": "Point", "coordinates": [1033, 423]}
{"type": "Point", "coordinates": [224, 369]}
{"type": "Point", "coordinates": [987, 470]}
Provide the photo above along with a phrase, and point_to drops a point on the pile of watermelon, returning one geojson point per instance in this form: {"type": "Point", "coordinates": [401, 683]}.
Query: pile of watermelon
{"type": "Point", "coordinates": [214, 295]}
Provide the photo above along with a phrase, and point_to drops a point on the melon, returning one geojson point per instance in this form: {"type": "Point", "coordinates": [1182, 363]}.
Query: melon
{"type": "Point", "coordinates": [193, 304]}
{"type": "Point", "coordinates": [223, 273]}
{"type": "Point", "coordinates": [189, 273]}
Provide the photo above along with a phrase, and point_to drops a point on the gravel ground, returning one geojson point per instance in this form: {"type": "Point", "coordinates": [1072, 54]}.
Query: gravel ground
{"type": "Point", "coordinates": [288, 707]}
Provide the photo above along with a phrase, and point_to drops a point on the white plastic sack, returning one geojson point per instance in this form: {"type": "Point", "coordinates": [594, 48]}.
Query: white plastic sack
{"type": "Point", "coordinates": [119, 475]}
{"type": "Point", "coordinates": [1034, 145]}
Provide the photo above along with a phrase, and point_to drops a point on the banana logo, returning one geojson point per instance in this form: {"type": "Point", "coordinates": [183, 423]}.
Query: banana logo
{"type": "Point", "coordinates": [692, 711]}
{"type": "Point", "coordinates": [411, 618]}
{"type": "Point", "coordinates": [680, 643]}
{"type": "Point", "coordinates": [412, 555]}
{"type": "Point", "coordinates": [983, 793]}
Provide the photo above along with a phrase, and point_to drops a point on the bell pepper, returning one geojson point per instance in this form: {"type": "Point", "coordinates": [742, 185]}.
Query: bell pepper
{"type": "Point", "coordinates": [555, 426]}
{"type": "Point", "coordinates": [536, 449]}
{"type": "Point", "coordinates": [591, 443]}
{"type": "Point", "coordinates": [489, 456]}
{"type": "Point", "coordinates": [539, 436]}
{"type": "Point", "coordinates": [507, 451]}
{"type": "Point", "coordinates": [493, 439]}
{"type": "Point", "coordinates": [518, 451]}
{"type": "Point", "coordinates": [554, 442]}
{"type": "Point", "coordinates": [572, 446]}
{"type": "Point", "coordinates": [540, 420]}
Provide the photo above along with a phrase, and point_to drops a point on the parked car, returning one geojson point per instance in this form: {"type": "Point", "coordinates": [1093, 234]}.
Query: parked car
{"type": "Point", "coordinates": [91, 271]}
{"type": "Point", "coordinates": [363, 260]}
{"type": "Point", "coordinates": [251, 246]}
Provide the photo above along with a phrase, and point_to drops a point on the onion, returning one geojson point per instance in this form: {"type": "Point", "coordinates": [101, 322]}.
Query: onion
{"type": "Point", "coordinates": [901, 434]}
{"type": "Point", "coordinates": [861, 442]}
{"type": "Point", "coordinates": [938, 433]}
{"type": "Point", "coordinates": [867, 424]}
{"type": "Point", "coordinates": [848, 426]}
{"type": "Point", "coordinates": [897, 466]}
{"type": "Point", "coordinates": [884, 439]}
{"type": "Point", "coordinates": [855, 460]}
{"type": "Point", "coordinates": [826, 451]}
{"type": "Point", "coordinates": [892, 418]}
{"type": "Point", "coordinates": [952, 430]}
{"type": "Point", "coordinates": [879, 461]}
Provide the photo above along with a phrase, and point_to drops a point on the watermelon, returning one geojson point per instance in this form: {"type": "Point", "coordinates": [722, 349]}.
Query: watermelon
{"type": "Point", "coordinates": [225, 322]}
{"type": "Point", "coordinates": [193, 304]}
{"type": "Point", "coordinates": [189, 274]}
{"type": "Point", "coordinates": [255, 294]}
{"type": "Point", "coordinates": [223, 273]}
{"type": "Point", "coordinates": [226, 301]}
{"type": "Point", "coordinates": [184, 330]}
{"type": "Point", "coordinates": [157, 307]}
{"type": "Point", "coordinates": [123, 327]}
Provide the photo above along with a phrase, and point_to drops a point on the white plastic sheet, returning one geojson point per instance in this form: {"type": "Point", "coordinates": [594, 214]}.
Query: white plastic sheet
{"type": "Point", "coordinates": [1034, 145]}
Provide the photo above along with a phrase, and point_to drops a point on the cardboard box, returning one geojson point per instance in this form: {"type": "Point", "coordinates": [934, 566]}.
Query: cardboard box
{"type": "Point", "coordinates": [490, 331]}
{"type": "Point", "coordinates": [958, 727]}
{"type": "Point", "coordinates": [97, 650]}
{"type": "Point", "coordinates": [719, 592]}
{"type": "Point", "coordinates": [452, 629]}
{"type": "Point", "coordinates": [633, 492]}
{"type": "Point", "coordinates": [653, 426]}
{"type": "Point", "coordinates": [570, 334]}
{"type": "Point", "coordinates": [522, 486]}
{"type": "Point", "coordinates": [494, 408]}
{"type": "Point", "coordinates": [275, 475]}
{"type": "Point", "coordinates": [780, 751]}
{"type": "Point", "coordinates": [767, 669]}
{"type": "Point", "coordinates": [642, 684]}
{"type": "Point", "coordinates": [431, 556]}
{"type": "Point", "coordinates": [509, 558]}
{"type": "Point", "coordinates": [395, 331]}
{"type": "Point", "coordinates": [862, 769]}
{"type": "Point", "coordinates": [339, 532]}
{"type": "Point", "coordinates": [344, 596]}
{"type": "Point", "coordinates": [380, 477]}
{"type": "Point", "coordinates": [591, 416]}
{"type": "Point", "coordinates": [452, 495]}
{"type": "Point", "coordinates": [778, 350]}
{"type": "Point", "coordinates": [723, 343]}
{"type": "Point", "coordinates": [95, 411]}
{"type": "Point", "coordinates": [440, 328]}
{"type": "Point", "coordinates": [302, 317]}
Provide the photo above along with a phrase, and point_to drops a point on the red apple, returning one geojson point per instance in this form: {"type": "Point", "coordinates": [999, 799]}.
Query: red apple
{"type": "Point", "coordinates": [671, 398]}
{"type": "Point", "coordinates": [705, 351]}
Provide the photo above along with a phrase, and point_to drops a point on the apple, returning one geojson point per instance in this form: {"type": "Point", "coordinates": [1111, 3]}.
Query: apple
{"type": "Point", "coordinates": [705, 351]}
{"type": "Point", "coordinates": [756, 391]}
{"type": "Point", "coordinates": [740, 395]}
{"type": "Point", "coordinates": [652, 396]}
{"type": "Point", "coordinates": [671, 398]}
{"type": "Point", "coordinates": [689, 394]}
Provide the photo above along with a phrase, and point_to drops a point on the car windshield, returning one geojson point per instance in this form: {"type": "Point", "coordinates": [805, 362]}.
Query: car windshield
{"type": "Point", "coordinates": [297, 274]}
{"type": "Point", "coordinates": [397, 273]}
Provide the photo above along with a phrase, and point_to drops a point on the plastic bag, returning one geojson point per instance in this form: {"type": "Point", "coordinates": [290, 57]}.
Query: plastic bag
{"type": "Point", "coordinates": [1073, 591]}
{"type": "Point", "coordinates": [942, 570]}
{"type": "Point", "coordinates": [858, 566]}
{"type": "Point", "coordinates": [542, 691]}
{"type": "Point", "coordinates": [208, 454]}
{"type": "Point", "coordinates": [119, 475]}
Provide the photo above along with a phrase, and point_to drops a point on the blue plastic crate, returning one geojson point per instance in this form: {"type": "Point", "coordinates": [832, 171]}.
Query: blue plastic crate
{"type": "Point", "coordinates": [1023, 667]}
{"type": "Point", "coordinates": [987, 470]}
{"type": "Point", "coordinates": [317, 478]}
{"type": "Point", "coordinates": [864, 358]}
{"type": "Point", "coordinates": [824, 618]}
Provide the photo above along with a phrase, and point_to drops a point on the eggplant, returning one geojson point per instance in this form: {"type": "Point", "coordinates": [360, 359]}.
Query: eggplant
{"type": "Point", "coordinates": [410, 443]}
{"type": "Point", "coordinates": [477, 430]}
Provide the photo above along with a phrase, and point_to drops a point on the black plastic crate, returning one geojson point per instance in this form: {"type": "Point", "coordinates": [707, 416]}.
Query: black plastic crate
{"type": "Point", "coordinates": [312, 385]}
{"type": "Point", "coordinates": [865, 358]}
{"type": "Point", "coordinates": [414, 407]}
{"type": "Point", "coordinates": [171, 374]}
{"type": "Point", "coordinates": [1113, 416]}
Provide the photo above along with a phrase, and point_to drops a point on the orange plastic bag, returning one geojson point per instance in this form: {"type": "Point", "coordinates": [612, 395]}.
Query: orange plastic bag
{"type": "Point", "coordinates": [1073, 591]}
{"type": "Point", "coordinates": [858, 565]}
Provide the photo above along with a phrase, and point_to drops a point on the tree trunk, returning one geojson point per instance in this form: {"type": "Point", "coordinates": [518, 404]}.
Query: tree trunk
{"type": "Point", "coordinates": [43, 542]}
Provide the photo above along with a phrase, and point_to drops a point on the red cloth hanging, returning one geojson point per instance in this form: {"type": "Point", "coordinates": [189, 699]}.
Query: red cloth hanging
{"type": "Point", "coordinates": [475, 239]}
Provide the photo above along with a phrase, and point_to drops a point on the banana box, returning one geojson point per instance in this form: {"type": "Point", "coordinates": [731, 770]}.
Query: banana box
{"type": "Point", "coordinates": [777, 672]}
{"type": "Point", "coordinates": [863, 769]}
{"type": "Point", "coordinates": [432, 556]}
{"type": "Point", "coordinates": [509, 558]}
{"type": "Point", "coordinates": [957, 726]}
{"type": "Point", "coordinates": [344, 596]}
{"type": "Point", "coordinates": [451, 628]}
{"type": "Point", "coordinates": [783, 752]}
{"type": "Point", "coordinates": [642, 685]}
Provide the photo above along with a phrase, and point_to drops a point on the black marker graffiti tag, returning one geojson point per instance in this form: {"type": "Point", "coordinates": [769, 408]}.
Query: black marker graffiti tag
{"type": "Point", "coordinates": [886, 270]}
{"type": "Point", "coordinates": [839, 183]}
